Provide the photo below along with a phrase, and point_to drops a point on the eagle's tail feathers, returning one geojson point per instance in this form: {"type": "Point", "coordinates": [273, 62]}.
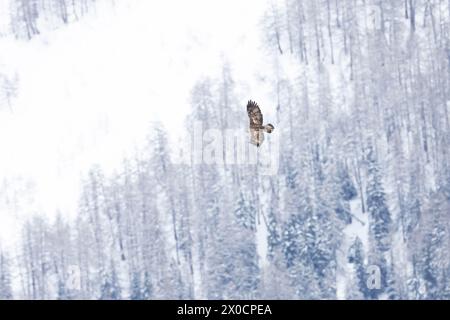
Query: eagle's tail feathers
{"type": "Point", "coordinates": [269, 128]}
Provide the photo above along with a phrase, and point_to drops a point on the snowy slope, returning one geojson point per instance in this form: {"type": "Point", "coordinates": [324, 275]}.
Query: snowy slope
{"type": "Point", "coordinates": [88, 91]}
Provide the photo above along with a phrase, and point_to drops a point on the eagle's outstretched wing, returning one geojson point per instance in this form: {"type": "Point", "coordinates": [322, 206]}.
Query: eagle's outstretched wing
{"type": "Point", "coordinates": [254, 114]}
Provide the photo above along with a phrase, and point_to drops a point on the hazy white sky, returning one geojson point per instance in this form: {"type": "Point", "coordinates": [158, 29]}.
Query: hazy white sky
{"type": "Point", "coordinates": [88, 91]}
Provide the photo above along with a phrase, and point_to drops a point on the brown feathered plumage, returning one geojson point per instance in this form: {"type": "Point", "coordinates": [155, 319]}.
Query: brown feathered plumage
{"type": "Point", "coordinates": [256, 124]}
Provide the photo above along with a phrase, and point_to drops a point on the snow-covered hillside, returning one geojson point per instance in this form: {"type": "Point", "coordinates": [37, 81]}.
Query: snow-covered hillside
{"type": "Point", "coordinates": [98, 96]}
{"type": "Point", "coordinates": [87, 92]}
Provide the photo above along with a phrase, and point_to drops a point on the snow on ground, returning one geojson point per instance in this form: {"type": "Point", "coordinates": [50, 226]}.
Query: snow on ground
{"type": "Point", "coordinates": [89, 91]}
{"type": "Point", "coordinates": [358, 228]}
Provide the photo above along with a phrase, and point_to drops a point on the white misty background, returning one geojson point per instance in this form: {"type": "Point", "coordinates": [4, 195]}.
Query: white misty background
{"type": "Point", "coordinates": [96, 94]}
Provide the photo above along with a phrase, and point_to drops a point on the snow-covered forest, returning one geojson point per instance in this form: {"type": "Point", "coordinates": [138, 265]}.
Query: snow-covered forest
{"type": "Point", "coordinates": [359, 94]}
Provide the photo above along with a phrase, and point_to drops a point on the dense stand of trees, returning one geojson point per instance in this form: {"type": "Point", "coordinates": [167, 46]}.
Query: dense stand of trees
{"type": "Point", "coordinates": [363, 111]}
{"type": "Point", "coordinates": [371, 94]}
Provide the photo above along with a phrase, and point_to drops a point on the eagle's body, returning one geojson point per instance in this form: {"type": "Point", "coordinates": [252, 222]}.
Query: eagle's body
{"type": "Point", "coordinates": [256, 124]}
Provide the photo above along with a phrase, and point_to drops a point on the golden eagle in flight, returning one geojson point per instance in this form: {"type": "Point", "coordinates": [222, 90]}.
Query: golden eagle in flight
{"type": "Point", "coordinates": [256, 124]}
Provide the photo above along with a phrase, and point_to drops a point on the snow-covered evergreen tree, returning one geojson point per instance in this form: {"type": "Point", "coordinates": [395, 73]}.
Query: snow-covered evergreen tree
{"type": "Point", "coordinates": [356, 258]}
{"type": "Point", "coordinates": [5, 278]}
